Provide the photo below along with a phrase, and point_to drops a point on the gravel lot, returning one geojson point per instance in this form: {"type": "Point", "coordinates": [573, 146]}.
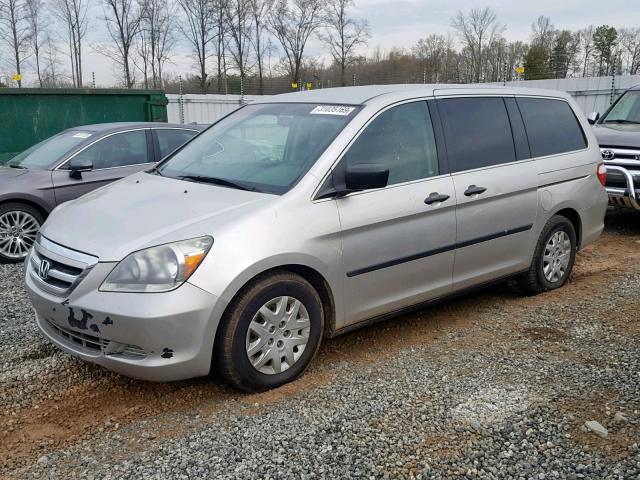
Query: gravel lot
{"type": "Point", "coordinates": [491, 385]}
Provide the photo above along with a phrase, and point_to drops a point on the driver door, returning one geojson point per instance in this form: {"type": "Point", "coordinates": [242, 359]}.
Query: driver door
{"type": "Point", "coordinates": [397, 243]}
{"type": "Point", "coordinates": [114, 157]}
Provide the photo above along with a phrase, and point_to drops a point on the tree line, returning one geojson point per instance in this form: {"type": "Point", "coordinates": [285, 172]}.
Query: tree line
{"type": "Point", "coordinates": [261, 46]}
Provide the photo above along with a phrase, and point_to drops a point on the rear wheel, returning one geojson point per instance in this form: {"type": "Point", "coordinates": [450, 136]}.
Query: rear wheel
{"type": "Point", "coordinates": [19, 225]}
{"type": "Point", "coordinates": [553, 259]}
{"type": "Point", "coordinates": [270, 332]}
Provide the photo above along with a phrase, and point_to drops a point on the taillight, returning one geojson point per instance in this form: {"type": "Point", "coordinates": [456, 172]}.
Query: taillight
{"type": "Point", "coordinates": [602, 173]}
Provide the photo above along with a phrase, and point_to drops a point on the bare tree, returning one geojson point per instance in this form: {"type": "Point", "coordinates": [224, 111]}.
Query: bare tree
{"type": "Point", "coordinates": [200, 29]}
{"type": "Point", "coordinates": [477, 29]}
{"type": "Point", "coordinates": [239, 25]}
{"type": "Point", "coordinates": [123, 19]}
{"type": "Point", "coordinates": [630, 41]}
{"type": "Point", "coordinates": [156, 39]}
{"type": "Point", "coordinates": [259, 9]}
{"type": "Point", "coordinates": [543, 33]}
{"type": "Point", "coordinates": [293, 23]}
{"type": "Point", "coordinates": [35, 10]}
{"type": "Point", "coordinates": [586, 43]}
{"type": "Point", "coordinates": [14, 29]}
{"type": "Point", "coordinates": [51, 75]}
{"type": "Point", "coordinates": [73, 15]}
{"type": "Point", "coordinates": [343, 34]}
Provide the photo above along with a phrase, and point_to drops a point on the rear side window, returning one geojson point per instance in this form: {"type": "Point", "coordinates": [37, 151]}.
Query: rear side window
{"type": "Point", "coordinates": [477, 132]}
{"type": "Point", "coordinates": [551, 126]}
{"type": "Point", "coordinates": [170, 139]}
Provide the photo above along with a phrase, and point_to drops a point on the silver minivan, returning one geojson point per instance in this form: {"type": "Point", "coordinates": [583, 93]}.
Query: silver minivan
{"type": "Point", "coordinates": [305, 215]}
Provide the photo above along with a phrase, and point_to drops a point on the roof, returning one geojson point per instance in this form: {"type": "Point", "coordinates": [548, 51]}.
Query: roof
{"type": "Point", "coordinates": [116, 126]}
{"type": "Point", "coordinates": [363, 94]}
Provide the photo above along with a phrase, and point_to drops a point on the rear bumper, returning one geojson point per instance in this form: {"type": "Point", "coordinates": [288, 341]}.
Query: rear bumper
{"type": "Point", "coordinates": [624, 197]}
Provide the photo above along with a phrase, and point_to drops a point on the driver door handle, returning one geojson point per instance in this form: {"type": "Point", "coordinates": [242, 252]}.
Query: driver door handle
{"type": "Point", "coordinates": [436, 197]}
{"type": "Point", "coordinates": [473, 190]}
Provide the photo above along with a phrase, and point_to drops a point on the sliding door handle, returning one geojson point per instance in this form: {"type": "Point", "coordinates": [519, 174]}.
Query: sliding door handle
{"type": "Point", "coordinates": [473, 190]}
{"type": "Point", "coordinates": [436, 197]}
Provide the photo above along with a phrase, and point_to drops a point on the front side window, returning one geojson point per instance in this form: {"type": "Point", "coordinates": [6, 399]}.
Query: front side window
{"type": "Point", "coordinates": [626, 110]}
{"type": "Point", "coordinates": [551, 126]}
{"type": "Point", "coordinates": [263, 147]}
{"type": "Point", "coordinates": [118, 150]}
{"type": "Point", "coordinates": [400, 138]}
{"type": "Point", "coordinates": [477, 132]}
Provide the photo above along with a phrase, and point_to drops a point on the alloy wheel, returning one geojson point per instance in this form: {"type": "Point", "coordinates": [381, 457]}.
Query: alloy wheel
{"type": "Point", "coordinates": [557, 254]}
{"type": "Point", "coordinates": [18, 232]}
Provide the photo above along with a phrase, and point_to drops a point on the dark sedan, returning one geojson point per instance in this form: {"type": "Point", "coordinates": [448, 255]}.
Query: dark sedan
{"type": "Point", "coordinates": [73, 163]}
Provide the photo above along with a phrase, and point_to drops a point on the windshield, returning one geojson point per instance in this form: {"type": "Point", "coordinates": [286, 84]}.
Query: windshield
{"type": "Point", "coordinates": [45, 154]}
{"type": "Point", "coordinates": [626, 110]}
{"type": "Point", "coordinates": [265, 148]}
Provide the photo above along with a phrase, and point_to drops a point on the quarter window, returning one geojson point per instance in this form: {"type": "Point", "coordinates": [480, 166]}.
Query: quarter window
{"type": "Point", "coordinates": [119, 150]}
{"type": "Point", "coordinates": [551, 126]}
{"type": "Point", "coordinates": [477, 132]}
{"type": "Point", "coordinates": [402, 139]}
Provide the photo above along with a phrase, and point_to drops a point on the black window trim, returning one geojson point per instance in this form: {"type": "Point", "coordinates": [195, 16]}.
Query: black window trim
{"type": "Point", "coordinates": [326, 184]}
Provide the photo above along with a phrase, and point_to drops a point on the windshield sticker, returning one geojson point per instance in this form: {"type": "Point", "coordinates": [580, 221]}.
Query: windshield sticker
{"type": "Point", "coordinates": [81, 135]}
{"type": "Point", "coordinates": [341, 110]}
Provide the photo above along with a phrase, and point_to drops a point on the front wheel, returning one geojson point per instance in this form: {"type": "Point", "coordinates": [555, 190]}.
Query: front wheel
{"type": "Point", "coordinates": [19, 225]}
{"type": "Point", "coordinates": [270, 332]}
{"type": "Point", "coordinates": [553, 259]}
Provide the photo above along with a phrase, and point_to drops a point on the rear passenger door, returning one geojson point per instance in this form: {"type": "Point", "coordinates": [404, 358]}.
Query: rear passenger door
{"type": "Point", "coordinates": [495, 185]}
{"type": "Point", "coordinates": [397, 249]}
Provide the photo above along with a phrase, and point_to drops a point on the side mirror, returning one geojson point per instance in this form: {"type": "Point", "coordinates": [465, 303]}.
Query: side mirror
{"type": "Point", "coordinates": [593, 117]}
{"type": "Point", "coordinates": [79, 165]}
{"type": "Point", "coordinates": [366, 176]}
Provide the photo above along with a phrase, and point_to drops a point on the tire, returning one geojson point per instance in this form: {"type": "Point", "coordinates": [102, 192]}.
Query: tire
{"type": "Point", "coordinates": [244, 331]}
{"type": "Point", "coordinates": [10, 212]}
{"type": "Point", "coordinates": [535, 281]}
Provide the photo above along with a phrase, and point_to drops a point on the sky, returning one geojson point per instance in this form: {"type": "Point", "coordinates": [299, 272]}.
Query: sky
{"type": "Point", "coordinates": [399, 23]}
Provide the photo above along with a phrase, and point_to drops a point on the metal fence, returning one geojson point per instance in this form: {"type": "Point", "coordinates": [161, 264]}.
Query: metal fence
{"type": "Point", "coordinates": [591, 94]}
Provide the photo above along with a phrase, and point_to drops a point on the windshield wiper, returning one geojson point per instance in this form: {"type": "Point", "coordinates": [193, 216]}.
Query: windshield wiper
{"type": "Point", "coordinates": [16, 166]}
{"type": "Point", "coordinates": [217, 181]}
{"type": "Point", "coordinates": [622, 120]}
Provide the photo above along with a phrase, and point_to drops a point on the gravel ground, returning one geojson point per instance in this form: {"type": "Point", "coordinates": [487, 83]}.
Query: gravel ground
{"type": "Point", "coordinates": [491, 385]}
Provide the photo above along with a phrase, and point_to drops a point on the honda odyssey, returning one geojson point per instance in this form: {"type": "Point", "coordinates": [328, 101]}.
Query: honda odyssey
{"type": "Point", "coordinates": [306, 215]}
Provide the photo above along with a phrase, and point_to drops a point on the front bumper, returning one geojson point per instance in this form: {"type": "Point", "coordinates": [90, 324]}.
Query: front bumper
{"type": "Point", "coordinates": [624, 197]}
{"type": "Point", "coordinates": [153, 336]}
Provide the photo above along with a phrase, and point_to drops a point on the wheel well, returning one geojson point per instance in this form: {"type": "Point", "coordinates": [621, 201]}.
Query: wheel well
{"type": "Point", "coordinates": [318, 282]}
{"type": "Point", "coordinates": [574, 217]}
{"type": "Point", "coordinates": [39, 208]}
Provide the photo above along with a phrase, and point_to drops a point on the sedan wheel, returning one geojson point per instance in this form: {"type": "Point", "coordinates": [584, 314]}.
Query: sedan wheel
{"type": "Point", "coordinates": [18, 230]}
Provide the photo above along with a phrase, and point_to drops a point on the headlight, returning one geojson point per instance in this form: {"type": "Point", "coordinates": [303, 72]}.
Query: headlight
{"type": "Point", "coordinates": [158, 269]}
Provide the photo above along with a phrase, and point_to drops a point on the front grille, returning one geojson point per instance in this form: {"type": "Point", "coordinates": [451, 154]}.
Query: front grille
{"type": "Point", "coordinates": [95, 345]}
{"type": "Point", "coordinates": [57, 269]}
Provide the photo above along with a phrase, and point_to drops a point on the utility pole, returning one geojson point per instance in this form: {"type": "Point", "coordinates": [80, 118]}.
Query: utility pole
{"type": "Point", "coordinates": [180, 100]}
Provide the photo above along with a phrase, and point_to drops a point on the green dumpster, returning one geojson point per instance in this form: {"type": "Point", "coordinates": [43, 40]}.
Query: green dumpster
{"type": "Point", "coordinates": [29, 115]}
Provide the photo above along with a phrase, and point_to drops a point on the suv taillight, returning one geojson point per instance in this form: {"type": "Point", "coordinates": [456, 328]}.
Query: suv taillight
{"type": "Point", "coordinates": [602, 173]}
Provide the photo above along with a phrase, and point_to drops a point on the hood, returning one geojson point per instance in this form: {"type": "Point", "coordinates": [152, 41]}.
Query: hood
{"type": "Point", "coordinates": [7, 172]}
{"type": "Point", "coordinates": [144, 210]}
{"type": "Point", "coordinates": [617, 135]}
